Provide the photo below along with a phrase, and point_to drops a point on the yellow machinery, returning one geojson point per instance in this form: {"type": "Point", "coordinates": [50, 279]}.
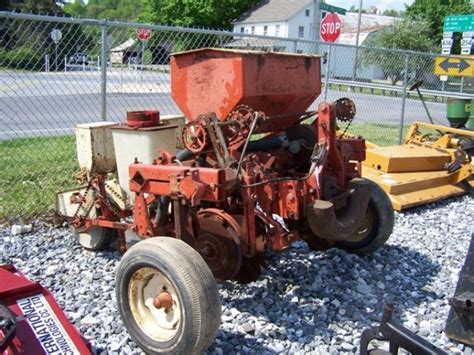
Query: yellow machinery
{"type": "Point", "coordinates": [433, 163]}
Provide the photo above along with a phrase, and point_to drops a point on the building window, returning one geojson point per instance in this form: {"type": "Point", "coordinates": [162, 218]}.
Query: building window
{"type": "Point", "coordinates": [277, 30]}
{"type": "Point", "coordinates": [265, 30]}
{"type": "Point", "coordinates": [306, 12]}
{"type": "Point", "coordinates": [300, 31]}
{"type": "Point", "coordinates": [253, 30]}
{"type": "Point", "coordinates": [242, 29]}
{"type": "Point", "coordinates": [323, 14]}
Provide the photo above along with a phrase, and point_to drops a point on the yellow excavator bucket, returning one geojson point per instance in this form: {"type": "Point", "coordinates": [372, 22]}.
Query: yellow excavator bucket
{"type": "Point", "coordinates": [433, 163]}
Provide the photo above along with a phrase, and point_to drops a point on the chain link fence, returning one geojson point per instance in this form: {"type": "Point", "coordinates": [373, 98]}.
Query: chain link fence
{"type": "Point", "coordinates": [58, 72]}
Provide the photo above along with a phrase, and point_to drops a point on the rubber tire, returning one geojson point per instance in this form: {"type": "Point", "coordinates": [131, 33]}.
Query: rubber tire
{"type": "Point", "coordinates": [194, 283]}
{"type": "Point", "coordinates": [384, 219]}
{"type": "Point", "coordinates": [103, 243]}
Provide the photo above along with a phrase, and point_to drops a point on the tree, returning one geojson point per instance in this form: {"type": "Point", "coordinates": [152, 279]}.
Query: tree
{"type": "Point", "coordinates": [75, 9]}
{"type": "Point", "coordinates": [391, 12]}
{"type": "Point", "coordinates": [408, 34]}
{"type": "Point", "coordinates": [204, 13]}
{"type": "Point", "coordinates": [434, 12]}
{"type": "Point", "coordinates": [124, 10]}
{"type": "Point", "coordinates": [38, 6]}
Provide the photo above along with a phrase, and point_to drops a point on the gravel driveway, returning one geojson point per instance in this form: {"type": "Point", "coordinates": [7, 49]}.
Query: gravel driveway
{"type": "Point", "coordinates": [317, 302]}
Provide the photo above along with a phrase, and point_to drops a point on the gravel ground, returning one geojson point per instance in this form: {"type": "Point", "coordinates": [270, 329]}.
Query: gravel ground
{"type": "Point", "coordinates": [317, 302]}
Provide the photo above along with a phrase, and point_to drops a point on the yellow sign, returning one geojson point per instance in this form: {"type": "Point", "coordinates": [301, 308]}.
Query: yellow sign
{"type": "Point", "coordinates": [454, 66]}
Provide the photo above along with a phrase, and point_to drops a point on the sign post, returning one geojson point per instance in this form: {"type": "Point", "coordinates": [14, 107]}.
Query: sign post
{"type": "Point", "coordinates": [143, 34]}
{"type": "Point", "coordinates": [466, 42]}
{"type": "Point", "coordinates": [330, 30]}
{"type": "Point", "coordinates": [331, 27]}
{"type": "Point", "coordinates": [447, 43]}
{"type": "Point", "coordinates": [56, 36]}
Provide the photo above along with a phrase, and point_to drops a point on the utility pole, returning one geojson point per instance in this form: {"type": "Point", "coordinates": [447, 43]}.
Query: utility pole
{"type": "Point", "coordinates": [358, 23]}
{"type": "Point", "coordinates": [316, 22]}
{"type": "Point", "coordinates": [354, 68]}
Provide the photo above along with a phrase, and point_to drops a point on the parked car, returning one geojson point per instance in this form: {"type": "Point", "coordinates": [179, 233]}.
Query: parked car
{"type": "Point", "coordinates": [79, 58]}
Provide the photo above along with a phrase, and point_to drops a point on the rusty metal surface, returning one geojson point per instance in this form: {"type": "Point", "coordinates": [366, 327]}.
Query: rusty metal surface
{"type": "Point", "coordinates": [211, 80]}
{"type": "Point", "coordinates": [141, 119]}
{"type": "Point", "coordinates": [219, 242]}
{"type": "Point", "coordinates": [326, 224]}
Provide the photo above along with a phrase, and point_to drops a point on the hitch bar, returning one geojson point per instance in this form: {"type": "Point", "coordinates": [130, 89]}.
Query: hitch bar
{"type": "Point", "coordinates": [397, 336]}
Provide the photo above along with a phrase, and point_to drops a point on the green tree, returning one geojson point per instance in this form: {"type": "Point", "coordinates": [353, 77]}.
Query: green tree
{"type": "Point", "coordinates": [4, 5]}
{"type": "Point", "coordinates": [35, 6]}
{"type": "Point", "coordinates": [408, 34]}
{"type": "Point", "coordinates": [205, 13]}
{"type": "Point", "coordinates": [434, 12]}
{"type": "Point", "coordinates": [75, 9]}
{"type": "Point", "coordinates": [391, 12]}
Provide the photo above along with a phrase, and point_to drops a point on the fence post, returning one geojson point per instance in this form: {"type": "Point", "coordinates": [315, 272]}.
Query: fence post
{"type": "Point", "coordinates": [295, 46]}
{"type": "Point", "coordinates": [46, 63]}
{"type": "Point", "coordinates": [354, 66]}
{"type": "Point", "coordinates": [103, 76]}
{"type": "Point", "coordinates": [328, 66]}
{"type": "Point", "coordinates": [404, 99]}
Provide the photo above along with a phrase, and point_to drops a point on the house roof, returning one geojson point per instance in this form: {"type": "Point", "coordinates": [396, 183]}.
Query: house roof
{"type": "Point", "coordinates": [124, 46]}
{"type": "Point", "coordinates": [369, 23]}
{"type": "Point", "coordinates": [272, 11]}
{"type": "Point", "coordinates": [256, 43]}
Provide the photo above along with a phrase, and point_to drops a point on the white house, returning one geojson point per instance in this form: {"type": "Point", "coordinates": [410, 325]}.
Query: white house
{"type": "Point", "coordinates": [282, 18]}
{"type": "Point", "coordinates": [294, 19]}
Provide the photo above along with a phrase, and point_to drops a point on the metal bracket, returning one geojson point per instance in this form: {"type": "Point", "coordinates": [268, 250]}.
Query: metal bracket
{"type": "Point", "coordinates": [217, 139]}
{"type": "Point", "coordinates": [463, 305]}
{"type": "Point", "coordinates": [8, 323]}
{"type": "Point", "coordinates": [397, 336]}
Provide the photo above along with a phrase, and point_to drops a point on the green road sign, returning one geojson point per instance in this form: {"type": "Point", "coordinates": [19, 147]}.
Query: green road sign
{"type": "Point", "coordinates": [459, 23]}
{"type": "Point", "coordinates": [330, 8]}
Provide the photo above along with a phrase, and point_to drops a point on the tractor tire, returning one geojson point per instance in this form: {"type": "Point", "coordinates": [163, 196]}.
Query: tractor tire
{"type": "Point", "coordinates": [166, 267]}
{"type": "Point", "coordinates": [376, 227]}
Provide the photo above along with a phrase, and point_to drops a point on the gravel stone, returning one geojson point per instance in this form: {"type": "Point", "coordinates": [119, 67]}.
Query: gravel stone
{"type": "Point", "coordinates": [304, 302]}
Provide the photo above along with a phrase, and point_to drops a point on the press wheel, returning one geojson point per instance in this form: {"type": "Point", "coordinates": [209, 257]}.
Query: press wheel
{"type": "Point", "coordinates": [94, 238]}
{"type": "Point", "coordinates": [218, 242]}
{"type": "Point", "coordinates": [376, 226]}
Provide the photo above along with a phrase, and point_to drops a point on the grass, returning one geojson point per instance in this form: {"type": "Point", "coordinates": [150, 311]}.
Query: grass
{"type": "Point", "coordinates": [35, 169]}
{"type": "Point", "coordinates": [412, 95]}
{"type": "Point", "coordinates": [380, 134]}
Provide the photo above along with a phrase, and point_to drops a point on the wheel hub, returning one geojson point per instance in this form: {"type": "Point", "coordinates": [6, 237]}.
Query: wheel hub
{"type": "Point", "coordinates": [154, 303]}
{"type": "Point", "coordinates": [163, 300]}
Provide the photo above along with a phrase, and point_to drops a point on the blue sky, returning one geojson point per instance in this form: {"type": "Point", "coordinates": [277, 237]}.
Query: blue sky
{"type": "Point", "coordinates": [380, 4]}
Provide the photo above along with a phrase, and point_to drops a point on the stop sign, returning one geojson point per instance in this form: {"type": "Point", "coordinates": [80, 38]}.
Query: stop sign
{"type": "Point", "coordinates": [143, 34]}
{"type": "Point", "coordinates": [331, 26]}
